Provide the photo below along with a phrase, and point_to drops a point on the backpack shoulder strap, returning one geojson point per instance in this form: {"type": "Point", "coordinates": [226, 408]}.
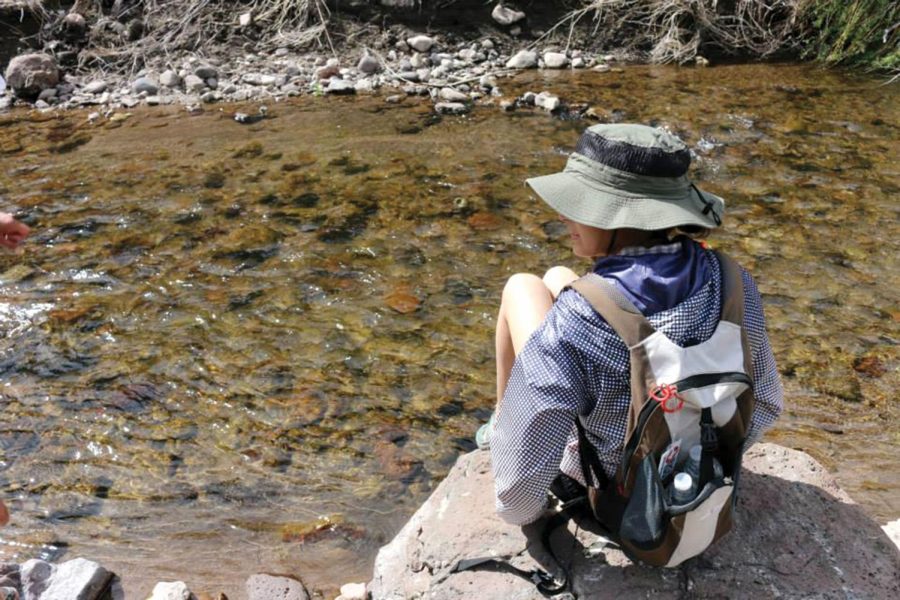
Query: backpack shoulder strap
{"type": "Point", "coordinates": [625, 319]}
{"type": "Point", "coordinates": [732, 290]}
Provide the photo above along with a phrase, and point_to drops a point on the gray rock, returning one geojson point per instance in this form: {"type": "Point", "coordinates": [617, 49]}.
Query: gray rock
{"type": "Point", "coordinates": [451, 108]}
{"type": "Point", "coordinates": [48, 94]}
{"type": "Point", "coordinates": [194, 84]}
{"type": "Point", "coordinates": [74, 26]}
{"type": "Point", "coordinates": [578, 62]}
{"type": "Point", "coordinates": [892, 530]}
{"type": "Point", "coordinates": [210, 97]}
{"type": "Point", "coordinates": [170, 79]}
{"type": "Point", "coordinates": [259, 79]}
{"type": "Point", "coordinates": [547, 101]}
{"type": "Point", "coordinates": [420, 43]}
{"type": "Point", "coordinates": [368, 64]}
{"type": "Point", "coordinates": [212, 83]}
{"type": "Point", "coordinates": [35, 577]}
{"type": "Point", "coordinates": [487, 44]}
{"type": "Point", "coordinates": [602, 68]}
{"type": "Point", "coordinates": [528, 98]}
{"type": "Point", "coordinates": [394, 99]}
{"type": "Point", "coordinates": [144, 84]}
{"type": "Point", "coordinates": [364, 85]}
{"type": "Point", "coordinates": [340, 86]}
{"type": "Point", "coordinates": [275, 587]}
{"type": "Point", "coordinates": [488, 82]}
{"type": "Point", "coordinates": [469, 55]}
{"type": "Point", "coordinates": [507, 105]}
{"type": "Point", "coordinates": [41, 104]}
{"type": "Point", "coordinates": [29, 74]}
{"type": "Point", "coordinates": [506, 16]}
{"type": "Point", "coordinates": [792, 539]}
{"type": "Point", "coordinates": [329, 69]}
{"type": "Point", "coordinates": [96, 87]}
{"type": "Point", "coordinates": [451, 95]}
{"type": "Point", "coordinates": [206, 72]}
{"type": "Point", "coordinates": [417, 61]}
{"type": "Point", "coordinates": [555, 60]}
{"type": "Point", "coordinates": [399, 3]}
{"type": "Point", "coordinates": [77, 579]}
{"type": "Point", "coordinates": [409, 76]}
{"type": "Point", "coordinates": [170, 590]}
{"type": "Point", "coordinates": [153, 100]}
{"type": "Point", "coordinates": [523, 59]}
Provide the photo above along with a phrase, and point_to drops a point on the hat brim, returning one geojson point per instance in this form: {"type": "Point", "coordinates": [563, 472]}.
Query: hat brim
{"type": "Point", "coordinates": [608, 207]}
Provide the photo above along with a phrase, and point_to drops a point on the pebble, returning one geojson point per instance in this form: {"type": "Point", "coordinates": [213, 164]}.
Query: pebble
{"type": "Point", "coordinates": [364, 85]}
{"type": "Point", "coordinates": [547, 101]}
{"type": "Point", "coordinates": [555, 60]}
{"type": "Point", "coordinates": [409, 76]}
{"type": "Point", "coordinates": [528, 98]}
{"type": "Point", "coordinates": [487, 44]}
{"type": "Point", "coordinates": [209, 97]}
{"type": "Point", "coordinates": [506, 16]}
{"type": "Point", "coordinates": [394, 99]}
{"type": "Point", "coordinates": [420, 43]}
{"type": "Point", "coordinates": [701, 61]}
{"type": "Point", "coordinates": [329, 69]}
{"type": "Point", "coordinates": [468, 55]}
{"type": "Point", "coordinates": [5, 102]}
{"type": "Point", "coordinates": [48, 94]}
{"type": "Point", "coordinates": [419, 60]}
{"type": "Point", "coordinates": [212, 83]}
{"type": "Point", "coordinates": [340, 86]}
{"type": "Point", "coordinates": [451, 108]}
{"type": "Point", "coordinates": [144, 84]}
{"type": "Point", "coordinates": [577, 63]}
{"type": "Point", "coordinates": [206, 72]}
{"type": "Point", "coordinates": [95, 87]}
{"type": "Point", "coordinates": [193, 83]}
{"type": "Point", "coordinates": [258, 79]}
{"type": "Point", "coordinates": [451, 95]}
{"type": "Point", "coordinates": [170, 590]}
{"type": "Point", "coordinates": [41, 105]}
{"type": "Point", "coordinates": [170, 79]}
{"type": "Point", "coordinates": [524, 59]}
{"type": "Point", "coordinates": [601, 68]}
{"type": "Point", "coordinates": [368, 64]}
{"type": "Point", "coordinates": [488, 82]}
{"type": "Point", "coordinates": [353, 591]}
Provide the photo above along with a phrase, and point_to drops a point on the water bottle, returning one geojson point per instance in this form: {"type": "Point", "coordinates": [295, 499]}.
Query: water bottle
{"type": "Point", "coordinates": [692, 466]}
{"type": "Point", "coordinates": [682, 489]}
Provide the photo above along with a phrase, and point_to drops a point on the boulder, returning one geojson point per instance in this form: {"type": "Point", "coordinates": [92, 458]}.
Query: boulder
{"type": "Point", "coordinates": [797, 535]}
{"type": "Point", "coordinates": [524, 59]}
{"type": "Point", "coordinates": [77, 579]}
{"type": "Point", "coordinates": [29, 74]}
{"type": "Point", "coordinates": [506, 16]}
{"type": "Point", "coordinates": [275, 587]}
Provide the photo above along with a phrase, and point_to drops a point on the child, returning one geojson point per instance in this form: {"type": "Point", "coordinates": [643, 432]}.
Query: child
{"type": "Point", "coordinates": [629, 206]}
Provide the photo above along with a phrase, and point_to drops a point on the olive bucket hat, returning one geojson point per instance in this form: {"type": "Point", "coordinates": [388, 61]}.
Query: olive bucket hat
{"type": "Point", "coordinates": [629, 176]}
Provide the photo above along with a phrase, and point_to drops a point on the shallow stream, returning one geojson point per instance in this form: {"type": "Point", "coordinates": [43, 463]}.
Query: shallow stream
{"type": "Point", "coordinates": [234, 348]}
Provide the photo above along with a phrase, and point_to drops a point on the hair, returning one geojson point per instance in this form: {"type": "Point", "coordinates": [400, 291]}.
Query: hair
{"type": "Point", "coordinates": [695, 232]}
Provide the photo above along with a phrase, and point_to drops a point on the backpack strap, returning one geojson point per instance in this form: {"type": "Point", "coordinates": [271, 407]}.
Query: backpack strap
{"type": "Point", "coordinates": [732, 289]}
{"type": "Point", "coordinates": [617, 310]}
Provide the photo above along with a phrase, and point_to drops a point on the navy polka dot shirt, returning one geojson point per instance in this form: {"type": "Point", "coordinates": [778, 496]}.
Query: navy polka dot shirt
{"type": "Point", "coordinates": [575, 364]}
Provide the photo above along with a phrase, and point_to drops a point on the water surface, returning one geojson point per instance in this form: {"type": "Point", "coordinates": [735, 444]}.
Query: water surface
{"type": "Point", "coordinates": [233, 348]}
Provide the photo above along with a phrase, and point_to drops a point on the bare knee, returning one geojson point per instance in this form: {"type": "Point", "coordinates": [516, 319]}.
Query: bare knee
{"type": "Point", "coordinates": [522, 284]}
{"type": "Point", "coordinates": [557, 278]}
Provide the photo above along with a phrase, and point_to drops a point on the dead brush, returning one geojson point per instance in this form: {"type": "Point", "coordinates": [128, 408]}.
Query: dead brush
{"type": "Point", "coordinates": [666, 31]}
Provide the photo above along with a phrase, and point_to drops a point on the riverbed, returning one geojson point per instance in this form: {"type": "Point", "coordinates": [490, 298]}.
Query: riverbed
{"type": "Point", "coordinates": [238, 347]}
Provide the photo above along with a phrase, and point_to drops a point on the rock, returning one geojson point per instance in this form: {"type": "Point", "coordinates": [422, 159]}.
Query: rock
{"type": "Point", "coordinates": [892, 530]}
{"type": "Point", "coordinates": [48, 94]}
{"type": "Point", "coordinates": [523, 59]}
{"type": "Point", "coordinates": [329, 69]}
{"type": "Point", "coordinates": [547, 101]}
{"type": "Point", "coordinates": [258, 79]}
{"type": "Point", "coordinates": [95, 87]}
{"type": "Point", "coordinates": [170, 79]}
{"type": "Point", "coordinates": [578, 62]}
{"type": "Point", "coordinates": [209, 97]}
{"type": "Point", "coordinates": [790, 540]}
{"type": "Point", "coordinates": [353, 591]}
{"type": "Point", "coordinates": [275, 587]}
{"type": "Point", "coordinates": [602, 68]}
{"type": "Point", "coordinates": [41, 104]}
{"type": "Point", "coordinates": [364, 85]}
{"type": "Point", "coordinates": [74, 26]}
{"type": "Point", "coordinates": [245, 19]}
{"type": "Point", "coordinates": [701, 61]}
{"type": "Point", "coordinates": [206, 72]}
{"type": "Point", "coordinates": [451, 95]}
{"type": "Point", "coordinates": [394, 99]}
{"type": "Point", "coordinates": [419, 60]}
{"type": "Point", "coordinates": [146, 85]}
{"type": "Point", "coordinates": [507, 105]}
{"type": "Point", "coordinates": [487, 82]}
{"type": "Point", "coordinates": [29, 74]}
{"type": "Point", "coordinates": [368, 64]}
{"type": "Point", "coordinates": [420, 43]}
{"type": "Point", "coordinates": [170, 590]}
{"type": "Point", "coordinates": [212, 83]}
{"type": "Point", "coordinates": [451, 108]}
{"type": "Point", "coordinates": [34, 575]}
{"type": "Point", "coordinates": [340, 86]}
{"type": "Point", "coordinates": [194, 84]}
{"type": "Point", "coordinates": [528, 98]}
{"type": "Point", "coordinates": [409, 76]}
{"type": "Point", "coordinates": [555, 60]}
{"type": "Point", "coordinates": [77, 579]}
{"type": "Point", "coordinates": [506, 16]}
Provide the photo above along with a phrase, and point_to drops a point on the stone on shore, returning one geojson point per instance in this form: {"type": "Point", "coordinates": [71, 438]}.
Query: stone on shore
{"type": "Point", "coordinates": [170, 79]}
{"type": "Point", "coordinates": [523, 59]}
{"type": "Point", "coordinates": [555, 60]}
{"type": "Point", "coordinates": [77, 579]}
{"type": "Point", "coordinates": [547, 101]}
{"type": "Point", "coordinates": [275, 587]}
{"type": "Point", "coordinates": [29, 74]}
{"type": "Point", "coordinates": [144, 84]}
{"type": "Point", "coordinates": [451, 95]}
{"type": "Point", "coordinates": [340, 86]}
{"type": "Point", "coordinates": [95, 87]}
{"type": "Point", "coordinates": [353, 591]}
{"type": "Point", "coordinates": [506, 16]}
{"type": "Point", "coordinates": [797, 535]}
{"type": "Point", "coordinates": [194, 84]}
{"type": "Point", "coordinates": [170, 590]}
{"type": "Point", "coordinates": [205, 72]}
{"type": "Point", "coordinates": [368, 64]}
{"type": "Point", "coordinates": [451, 108]}
{"type": "Point", "coordinates": [420, 43]}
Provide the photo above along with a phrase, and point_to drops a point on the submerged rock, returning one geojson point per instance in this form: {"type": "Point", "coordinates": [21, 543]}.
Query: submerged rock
{"type": "Point", "coordinates": [797, 535]}
{"type": "Point", "coordinates": [29, 74]}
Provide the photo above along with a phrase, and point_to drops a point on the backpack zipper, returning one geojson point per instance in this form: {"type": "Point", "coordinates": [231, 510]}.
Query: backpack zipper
{"type": "Point", "coordinates": [705, 379]}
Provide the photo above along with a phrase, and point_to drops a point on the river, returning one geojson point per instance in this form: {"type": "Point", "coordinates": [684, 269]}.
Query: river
{"type": "Point", "coordinates": [232, 348]}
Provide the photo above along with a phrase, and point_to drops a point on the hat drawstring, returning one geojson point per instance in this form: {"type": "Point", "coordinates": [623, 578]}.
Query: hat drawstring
{"type": "Point", "coordinates": [612, 242]}
{"type": "Point", "coordinates": [708, 207]}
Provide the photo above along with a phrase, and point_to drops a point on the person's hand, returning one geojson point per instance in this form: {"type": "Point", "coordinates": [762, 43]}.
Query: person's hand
{"type": "Point", "coordinates": [12, 232]}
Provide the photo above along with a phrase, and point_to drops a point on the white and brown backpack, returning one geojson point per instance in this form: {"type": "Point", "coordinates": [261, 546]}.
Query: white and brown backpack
{"type": "Point", "coordinates": [680, 397]}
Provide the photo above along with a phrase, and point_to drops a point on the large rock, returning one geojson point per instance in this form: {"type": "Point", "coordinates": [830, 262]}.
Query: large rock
{"type": "Point", "coordinates": [798, 535]}
{"type": "Point", "coordinates": [29, 74]}
{"type": "Point", "coordinates": [77, 579]}
{"type": "Point", "coordinates": [275, 587]}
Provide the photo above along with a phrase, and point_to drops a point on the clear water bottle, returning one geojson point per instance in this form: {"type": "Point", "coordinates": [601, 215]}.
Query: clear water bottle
{"type": "Point", "coordinates": [692, 466]}
{"type": "Point", "coordinates": [682, 489]}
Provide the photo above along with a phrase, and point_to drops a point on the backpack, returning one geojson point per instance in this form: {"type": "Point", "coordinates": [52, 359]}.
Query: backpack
{"type": "Point", "coordinates": [680, 397]}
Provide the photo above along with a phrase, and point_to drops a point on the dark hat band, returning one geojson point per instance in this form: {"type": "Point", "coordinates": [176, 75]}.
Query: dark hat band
{"type": "Point", "coordinates": [640, 160]}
